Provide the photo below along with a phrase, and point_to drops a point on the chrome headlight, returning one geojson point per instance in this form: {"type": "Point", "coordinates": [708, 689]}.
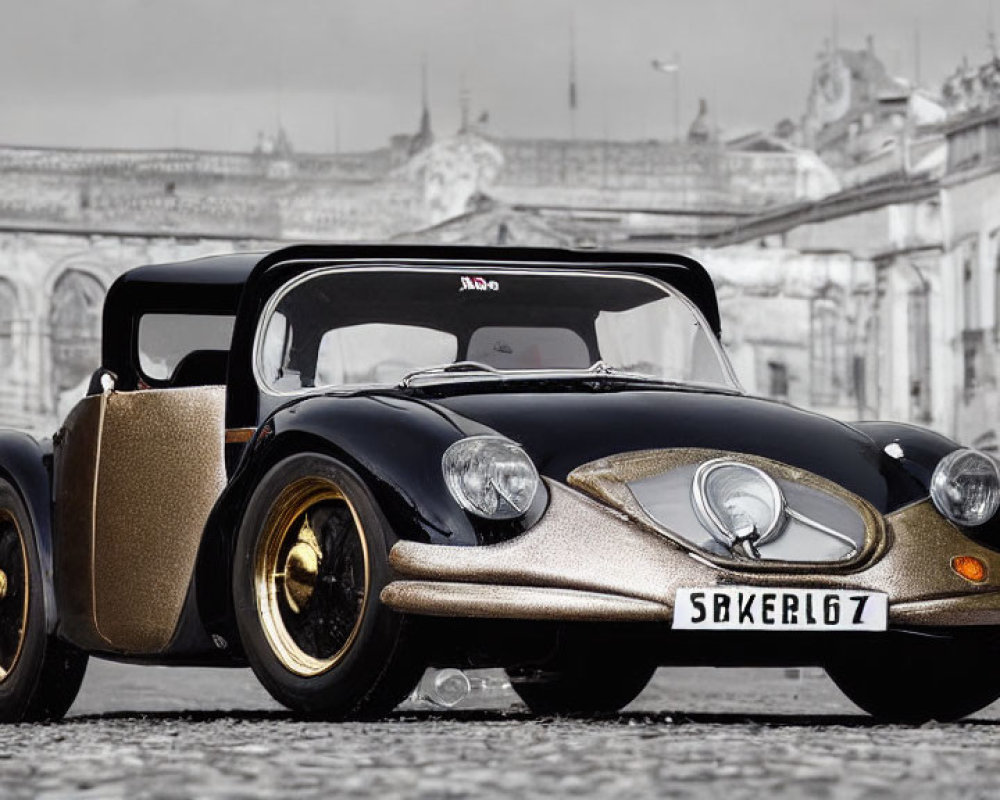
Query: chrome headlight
{"type": "Point", "coordinates": [734, 500]}
{"type": "Point", "coordinates": [965, 487]}
{"type": "Point", "coordinates": [490, 476]}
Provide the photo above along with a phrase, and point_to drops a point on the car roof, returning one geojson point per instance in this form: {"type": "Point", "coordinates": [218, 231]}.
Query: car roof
{"type": "Point", "coordinates": [229, 269]}
{"type": "Point", "coordinates": [239, 283]}
{"type": "Point", "coordinates": [235, 269]}
{"type": "Point", "coordinates": [682, 272]}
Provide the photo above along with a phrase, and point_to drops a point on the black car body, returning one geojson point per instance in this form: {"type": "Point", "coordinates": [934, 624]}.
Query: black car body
{"type": "Point", "coordinates": [257, 491]}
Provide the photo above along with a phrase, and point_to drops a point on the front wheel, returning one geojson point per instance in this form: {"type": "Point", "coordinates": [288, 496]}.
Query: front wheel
{"type": "Point", "coordinates": [39, 674]}
{"type": "Point", "coordinates": [586, 687]}
{"type": "Point", "coordinates": [311, 561]}
{"type": "Point", "coordinates": [915, 682]}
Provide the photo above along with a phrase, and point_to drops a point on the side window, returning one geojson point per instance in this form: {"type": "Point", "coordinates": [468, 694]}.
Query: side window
{"type": "Point", "coordinates": [165, 339]}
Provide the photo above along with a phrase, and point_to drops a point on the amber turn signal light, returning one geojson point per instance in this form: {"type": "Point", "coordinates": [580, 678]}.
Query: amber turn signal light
{"type": "Point", "coordinates": [970, 568]}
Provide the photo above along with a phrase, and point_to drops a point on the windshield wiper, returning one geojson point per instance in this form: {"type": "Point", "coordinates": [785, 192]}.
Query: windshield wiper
{"type": "Point", "coordinates": [599, 370]}
{"type": "Point", "coordinates": [445, 369]}
{"type": "Point", "coordinates": [604, 369]}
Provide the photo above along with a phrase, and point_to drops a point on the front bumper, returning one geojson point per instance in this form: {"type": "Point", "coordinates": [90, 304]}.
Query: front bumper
{"type": "Point", "coordinates": [584, 561]}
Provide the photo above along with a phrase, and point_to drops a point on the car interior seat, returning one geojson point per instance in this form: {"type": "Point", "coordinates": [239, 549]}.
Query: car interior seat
{"type": "Point", "coordinates": [201, 368]}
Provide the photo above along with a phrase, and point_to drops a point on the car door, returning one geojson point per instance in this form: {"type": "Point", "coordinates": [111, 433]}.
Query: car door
{"type": "Point", "coordinates": [136, 475]}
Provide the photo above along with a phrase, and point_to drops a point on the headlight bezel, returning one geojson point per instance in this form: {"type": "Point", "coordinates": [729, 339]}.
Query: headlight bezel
{"type": "Point", "coordinates": [456, 463]}
{"type": "Point", "coordinates": [942, 479]}
{"type": "Point", "coordinates": [707, 514]}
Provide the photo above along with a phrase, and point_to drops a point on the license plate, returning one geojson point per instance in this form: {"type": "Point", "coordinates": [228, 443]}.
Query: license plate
{"type": "Point", "coordinates": [738, 608]}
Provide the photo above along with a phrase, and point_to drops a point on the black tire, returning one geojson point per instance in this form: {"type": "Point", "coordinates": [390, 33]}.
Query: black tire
{"type": "Point", "coordinates": [41, 674]}
{"type": "Point", "coordinates": [374, 668]}
{"type": "Point", "coordinates": [583, 688]}
{"type": "Point", "coordinates": [919, 681]}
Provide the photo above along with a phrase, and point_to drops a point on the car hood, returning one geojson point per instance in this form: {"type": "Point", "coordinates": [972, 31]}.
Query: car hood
{"type": "Point", "coordinates": [563, 430]}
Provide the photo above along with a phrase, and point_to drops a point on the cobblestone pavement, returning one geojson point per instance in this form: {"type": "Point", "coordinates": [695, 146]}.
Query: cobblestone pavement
{"type": "Point", "coordinates": [158, 732]}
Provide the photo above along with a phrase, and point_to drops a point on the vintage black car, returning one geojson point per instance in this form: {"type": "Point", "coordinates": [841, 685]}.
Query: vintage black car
{"type": "Point", "coordinates": [342, 464]}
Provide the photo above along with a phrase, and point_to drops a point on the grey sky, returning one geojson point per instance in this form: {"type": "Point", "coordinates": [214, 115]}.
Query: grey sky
{"type": "Point", "coordinates": [211, 73]}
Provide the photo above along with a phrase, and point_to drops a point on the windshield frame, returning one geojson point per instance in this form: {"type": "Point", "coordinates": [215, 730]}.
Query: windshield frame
{"type": "Point", "coordinates": [278, 295]}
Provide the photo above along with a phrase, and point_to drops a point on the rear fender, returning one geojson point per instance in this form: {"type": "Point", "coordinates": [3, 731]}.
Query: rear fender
{"type": "Point", "coordinates": [25, 464]}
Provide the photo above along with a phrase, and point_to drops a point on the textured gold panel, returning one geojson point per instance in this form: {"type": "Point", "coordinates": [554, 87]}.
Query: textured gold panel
{"type": "Point", "coordinates": [582, 545]}
{"type": "Point", "coordinates": [517, 602]}
{"type": "Point", "coordinates": [607, 479]}
{"type": "Point", "coordinates": [160, 472]}
{"type": "Point", "coordinates": [983, 609]}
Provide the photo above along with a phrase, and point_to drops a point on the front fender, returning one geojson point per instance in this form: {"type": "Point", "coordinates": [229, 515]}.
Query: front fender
{"type": "Point", "coordinates": [922, 449]}
{"type": "Point", "coordinates": [393, 443]}
{"type": "Point", "coordinates": [23, 464]}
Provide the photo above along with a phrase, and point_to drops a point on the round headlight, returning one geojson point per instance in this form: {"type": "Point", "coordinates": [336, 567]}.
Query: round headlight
{"type": "Point", "coordinates": [734, 499]}
{"type": "Point", "coordinates": [490, 476]}
{"type": "Point", "coordinates": [965, 487]}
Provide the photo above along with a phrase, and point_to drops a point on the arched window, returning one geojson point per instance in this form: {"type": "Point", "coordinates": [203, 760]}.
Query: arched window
{"type": "Point", "coordinates": [75, 322]}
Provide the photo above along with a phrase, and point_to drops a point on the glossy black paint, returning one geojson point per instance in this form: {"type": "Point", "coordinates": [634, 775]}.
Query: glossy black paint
{"type": "Point", "coordinates": [922, 449]}
{"type": "Point", "coordinates": [394, 443]}
{"type": "Point", "coordinates": [394, 440]}
{"type": "Point", "coordinates": [571, 426]}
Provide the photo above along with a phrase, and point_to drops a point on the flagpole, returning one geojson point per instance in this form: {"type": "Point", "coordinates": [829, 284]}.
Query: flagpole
{"type": "Point", "coordinates": [677, 97]}
{"type": "Point", "coordinates": [673, 68]}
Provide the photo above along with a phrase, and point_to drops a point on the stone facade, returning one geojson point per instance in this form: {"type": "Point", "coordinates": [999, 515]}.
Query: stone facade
{"type": "Point", "coordinates": [861, 282]}
{"type": "Point", "coordinates": [52, 288]}
{"type": "Point", "coordinates": [881, 299]}
{"type": "Point", "coordinates": [72, 220]}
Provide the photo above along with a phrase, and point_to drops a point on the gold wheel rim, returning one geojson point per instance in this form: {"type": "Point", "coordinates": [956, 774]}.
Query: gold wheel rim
{"type": "Point", "coordinates": [10, 595]}
{"type": "Point", "coordinates": [287, 557]}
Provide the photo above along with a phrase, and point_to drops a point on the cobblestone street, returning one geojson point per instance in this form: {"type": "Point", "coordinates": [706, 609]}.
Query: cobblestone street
{"type": "Point", "coordinates": [157, 732]}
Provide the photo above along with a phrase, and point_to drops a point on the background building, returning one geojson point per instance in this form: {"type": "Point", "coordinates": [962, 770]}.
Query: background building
{"type": "Point", "coordinates": [855, 251]}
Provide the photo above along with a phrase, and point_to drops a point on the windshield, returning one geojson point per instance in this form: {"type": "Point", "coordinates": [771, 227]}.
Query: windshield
{"type": "Point", "coordinates": [380, 326]}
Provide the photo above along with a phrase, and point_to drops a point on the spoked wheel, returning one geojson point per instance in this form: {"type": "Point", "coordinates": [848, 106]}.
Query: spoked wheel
{"type": "Point", "coordinates": [311, 561]}
{"type": "Point", "coordinates": [39, 675]}
{"type": "Point", "coordinates": [312, 576]}
{"type": "Point", "coordinates": [583, 688]}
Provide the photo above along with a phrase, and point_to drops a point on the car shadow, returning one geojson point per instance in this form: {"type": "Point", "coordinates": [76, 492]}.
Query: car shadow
{"type": "Point", "coordinates": [625, 719]}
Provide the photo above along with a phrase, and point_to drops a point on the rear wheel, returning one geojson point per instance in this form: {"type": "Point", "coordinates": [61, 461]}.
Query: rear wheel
{"type": "Point", "coordinates": [586, 687]}
{"type": "Point", "coordinates": [39, 674]}
{"type": "Point", "coordinates": [919, 681]}
{"type": "Point", "coordinates": [311, 562]}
